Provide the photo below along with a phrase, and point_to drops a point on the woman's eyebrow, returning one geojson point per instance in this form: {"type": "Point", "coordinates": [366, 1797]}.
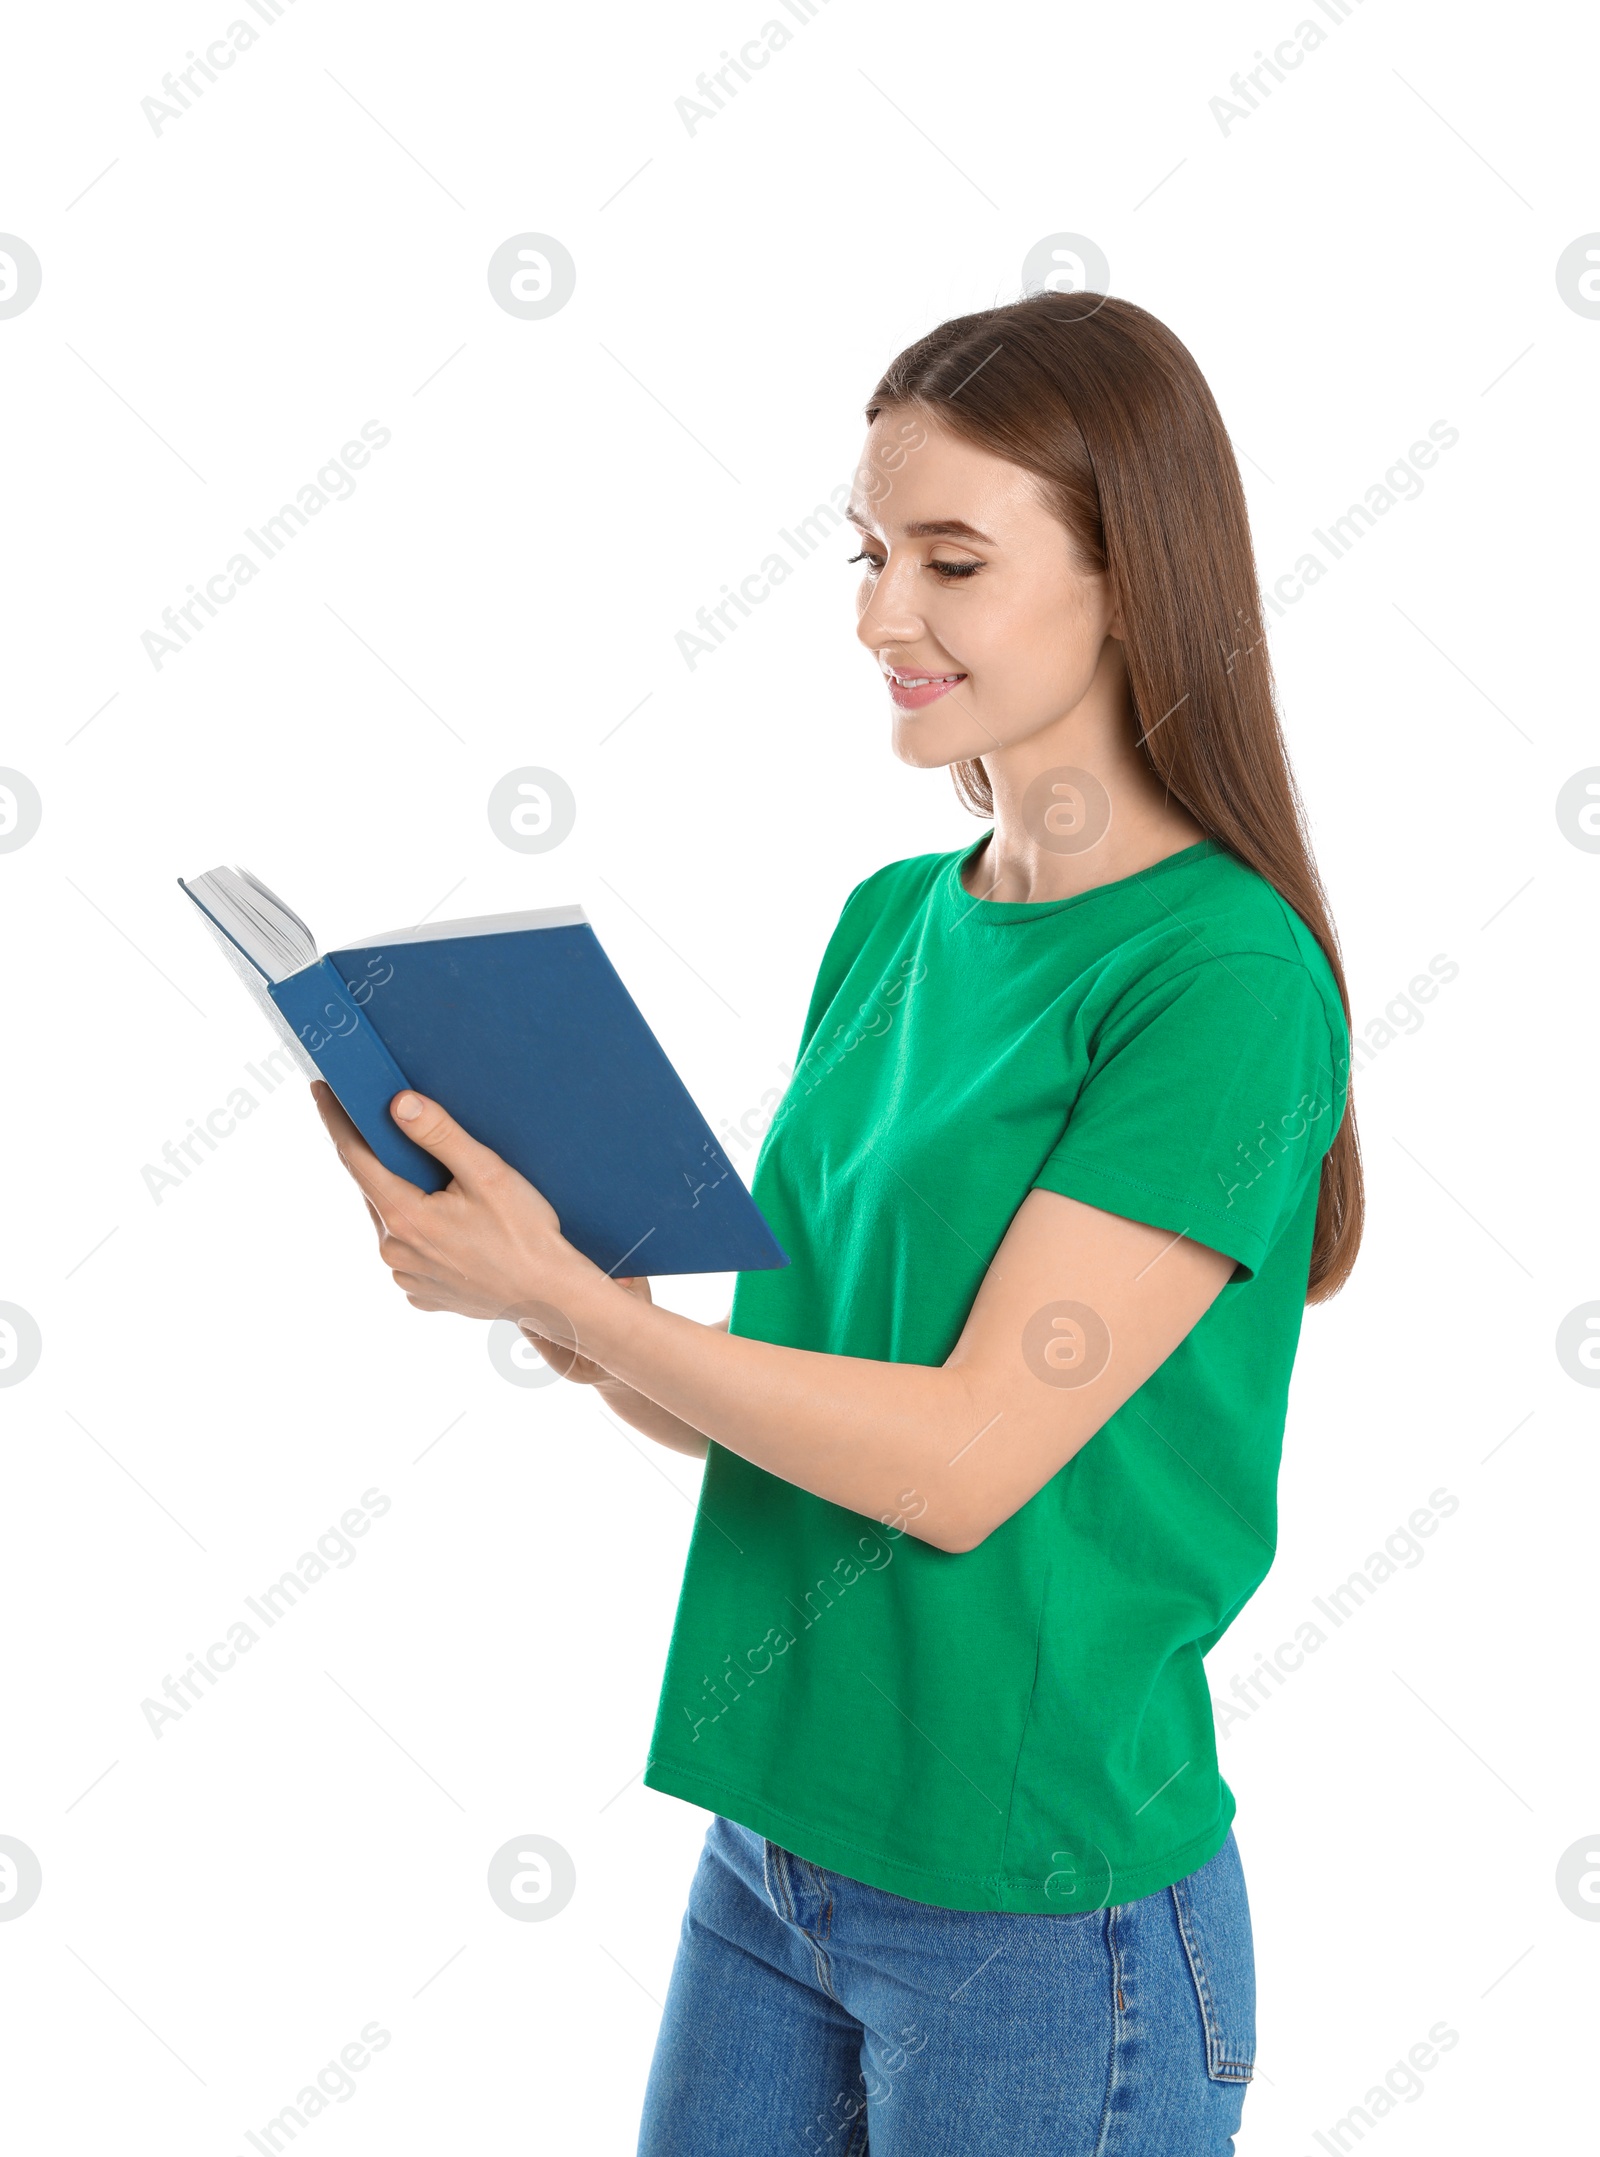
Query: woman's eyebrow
{"type": "Point", "coordinates": [947, 528]}
{"type": "Point", "coordinates": [934, 528]}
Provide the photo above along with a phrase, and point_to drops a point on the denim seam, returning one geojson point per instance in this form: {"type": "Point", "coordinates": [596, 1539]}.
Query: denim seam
{"type": "Point", "coordinates": [1220, 2064]}
{"type": "Point", "coordinates": [824, 1968]}
{"type": "Point", "coordinates": [790, 1914]}
{"type": "Point", "coordinates": [824, 1925]}
{"type": "Point", "coordinates": [1114, 2050]}
{"type": "Point", "coordinates": [774, 1868]}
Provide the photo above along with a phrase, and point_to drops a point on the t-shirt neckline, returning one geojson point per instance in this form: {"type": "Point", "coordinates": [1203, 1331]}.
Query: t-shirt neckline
{"type": "Point", "coordinates": [1001, 912]}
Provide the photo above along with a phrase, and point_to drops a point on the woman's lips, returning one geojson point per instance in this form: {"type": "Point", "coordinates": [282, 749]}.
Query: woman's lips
{"type": "Point", "coordinates": [912, 691]}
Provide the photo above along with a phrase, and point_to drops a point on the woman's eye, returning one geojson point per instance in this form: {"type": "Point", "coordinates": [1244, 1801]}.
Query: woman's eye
{"type": "Point", "coordinates": [948, 570]}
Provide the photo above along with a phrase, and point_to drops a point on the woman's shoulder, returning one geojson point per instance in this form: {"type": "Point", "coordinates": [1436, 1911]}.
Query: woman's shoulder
{"type": "Point", "coordinates": [900, 884]}
{"type": "Point", "coordinates": [1232, 922]}
{"type": "Point", "coordinates": [1245, 915]}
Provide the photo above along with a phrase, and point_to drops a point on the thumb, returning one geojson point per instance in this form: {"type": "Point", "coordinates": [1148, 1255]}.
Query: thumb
{"type": "Point", "coordinates": [426, 1122]}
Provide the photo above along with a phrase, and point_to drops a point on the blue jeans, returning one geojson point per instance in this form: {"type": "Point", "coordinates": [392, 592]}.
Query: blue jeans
{"type": "Point", "coordinates": [811, 2014]}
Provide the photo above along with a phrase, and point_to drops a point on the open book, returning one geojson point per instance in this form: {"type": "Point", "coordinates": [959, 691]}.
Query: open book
{"type": "Point", "coordinates": [519, 1026]}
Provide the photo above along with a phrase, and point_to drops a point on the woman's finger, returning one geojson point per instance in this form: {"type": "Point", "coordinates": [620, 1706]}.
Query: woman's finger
{"type": "Point", "coordinates": [392, 1194]}
{"type": "Point", "coordinates": [393, 1202]}
{"type": "Point", "coordinates": [424, 1121]}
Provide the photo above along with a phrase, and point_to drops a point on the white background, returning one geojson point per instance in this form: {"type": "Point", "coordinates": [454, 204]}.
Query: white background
{"type": "Point", "coordinates": [225, 1372]}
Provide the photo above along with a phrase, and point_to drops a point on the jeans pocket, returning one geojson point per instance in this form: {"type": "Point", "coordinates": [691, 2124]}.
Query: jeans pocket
{"type": "Point", "coordinates": [1214, 1920]}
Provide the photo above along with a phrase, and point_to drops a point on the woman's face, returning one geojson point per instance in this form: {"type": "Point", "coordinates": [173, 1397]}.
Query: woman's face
{"type": "Point", "coordinates": [969, 586]}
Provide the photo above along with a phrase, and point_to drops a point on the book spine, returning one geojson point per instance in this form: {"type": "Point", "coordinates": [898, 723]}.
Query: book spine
{"type": "Point", "coordinates": [320, 1010]}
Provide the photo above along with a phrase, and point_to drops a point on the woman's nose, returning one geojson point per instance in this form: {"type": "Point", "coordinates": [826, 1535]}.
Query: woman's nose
{"type": "Point", "coordinates": [888, 616]}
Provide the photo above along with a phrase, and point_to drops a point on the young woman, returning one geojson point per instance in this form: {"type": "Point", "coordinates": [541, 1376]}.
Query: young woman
{"type": "Point", "coordinates": [991, 1465]}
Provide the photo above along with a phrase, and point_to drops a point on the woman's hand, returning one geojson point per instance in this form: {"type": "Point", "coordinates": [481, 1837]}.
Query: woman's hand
{"type": "Point", "coordinates": [490, 1246]}
{"type": "Point", "coordinates": [487, 1246]}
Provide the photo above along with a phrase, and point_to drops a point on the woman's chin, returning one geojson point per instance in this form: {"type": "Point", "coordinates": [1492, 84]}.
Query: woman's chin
{"type": "Point", "coordinates": [918, 741]}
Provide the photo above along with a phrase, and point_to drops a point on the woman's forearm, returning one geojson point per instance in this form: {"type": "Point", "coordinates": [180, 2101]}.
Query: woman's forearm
{"type": "Point", "coordinates": [880, 1438]}
{"type": "Point", "coordinates": [958, 1447]}
{"type": "Point", "coordinates": [645, 1415]}
{"type": "Point", "coordinates": [650, 1419]}
{"type": "Point", "coordinates": [1078, 1308]}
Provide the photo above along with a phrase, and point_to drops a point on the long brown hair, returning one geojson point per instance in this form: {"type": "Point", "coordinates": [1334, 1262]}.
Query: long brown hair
{"type": "Point", "coordinates": [1105, 406]}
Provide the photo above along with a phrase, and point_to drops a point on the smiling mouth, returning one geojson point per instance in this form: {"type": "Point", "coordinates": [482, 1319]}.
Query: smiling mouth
{"type": "Point", "coordinates": [912, 691]}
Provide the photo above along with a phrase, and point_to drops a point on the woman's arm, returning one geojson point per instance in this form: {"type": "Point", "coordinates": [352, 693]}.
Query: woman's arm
{"type": "Point", "coordinates": [651, 1420]}
{"type": "Point", "coordinates": [955, 1449]}
{"type": "Point", "coordinates": [646, 1416]}
{"type": "Point", "coordinates": [1075, 1312]}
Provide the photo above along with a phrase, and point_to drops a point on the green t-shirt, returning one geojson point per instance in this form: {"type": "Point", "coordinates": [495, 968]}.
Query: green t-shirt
{"type": "Point", "coordinates": [1025, 1725]}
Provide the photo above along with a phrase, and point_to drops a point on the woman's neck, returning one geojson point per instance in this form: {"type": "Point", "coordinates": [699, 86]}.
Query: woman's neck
{"type": "Point", "coordinates": [1075, 806]}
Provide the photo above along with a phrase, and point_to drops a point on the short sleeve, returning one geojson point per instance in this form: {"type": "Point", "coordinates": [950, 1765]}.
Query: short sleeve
{"type": "Point", "coordinates": [1209, 1103]}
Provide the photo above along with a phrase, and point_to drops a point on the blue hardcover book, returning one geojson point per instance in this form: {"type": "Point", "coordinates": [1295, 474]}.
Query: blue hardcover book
{"type": "Point", "coordinates": [519, 1026]}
